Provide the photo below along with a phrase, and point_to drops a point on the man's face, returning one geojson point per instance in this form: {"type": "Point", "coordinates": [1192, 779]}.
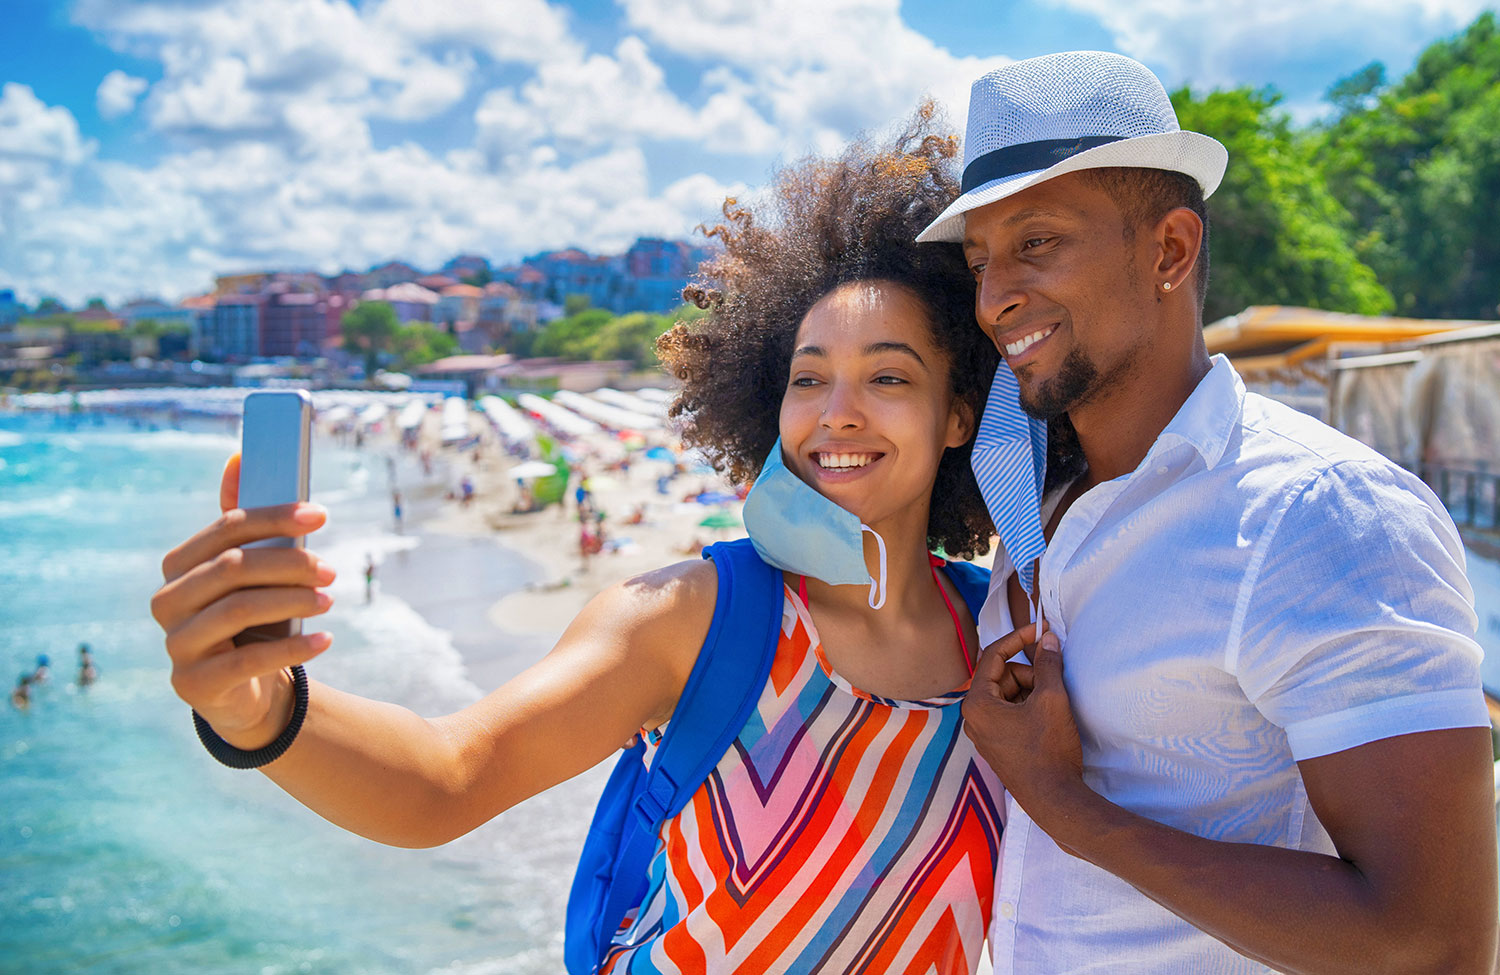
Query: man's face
{"type": "Point", "coordinates": [1060, 292]}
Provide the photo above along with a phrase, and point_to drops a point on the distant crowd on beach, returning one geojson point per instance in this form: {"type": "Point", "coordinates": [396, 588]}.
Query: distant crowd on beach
{"type": "Point", "coordinates": [41, 674]}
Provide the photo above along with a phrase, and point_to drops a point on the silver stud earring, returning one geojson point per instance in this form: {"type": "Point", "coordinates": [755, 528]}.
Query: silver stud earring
{"type": "Point", "coordinates": [1166, 286]}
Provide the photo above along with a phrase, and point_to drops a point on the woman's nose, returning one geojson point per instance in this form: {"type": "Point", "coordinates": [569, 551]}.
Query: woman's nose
{"type": "Point", "coordinates": [841, 410]}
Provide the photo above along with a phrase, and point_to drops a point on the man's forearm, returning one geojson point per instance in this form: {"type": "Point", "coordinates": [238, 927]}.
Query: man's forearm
{"type": "Point", "coordinates": [1295, 911]}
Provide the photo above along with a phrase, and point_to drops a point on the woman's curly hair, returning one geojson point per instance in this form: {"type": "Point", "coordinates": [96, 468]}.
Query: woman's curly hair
{"type": "Point", "coordinates": [825, 223]}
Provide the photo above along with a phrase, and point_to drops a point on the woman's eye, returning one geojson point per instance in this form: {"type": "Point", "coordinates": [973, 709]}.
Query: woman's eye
{"type": "Point", "coordinates": [804, 381]}
{"type": "Point", "coordinates": [977, 270]}
{"type": "Point", "coordinates": [890, 380]}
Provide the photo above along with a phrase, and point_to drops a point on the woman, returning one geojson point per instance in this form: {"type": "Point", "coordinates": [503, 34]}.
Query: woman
{"type": "Point", "coordinates": [851, 825]}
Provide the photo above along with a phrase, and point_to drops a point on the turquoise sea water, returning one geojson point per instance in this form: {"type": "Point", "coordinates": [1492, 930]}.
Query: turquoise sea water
{"type": "Point", "coordinates": [123, 847]}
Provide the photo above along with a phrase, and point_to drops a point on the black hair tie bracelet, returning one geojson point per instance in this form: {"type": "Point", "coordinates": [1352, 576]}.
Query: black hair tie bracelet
{"type": "Point", "coordinates": [227, 754]}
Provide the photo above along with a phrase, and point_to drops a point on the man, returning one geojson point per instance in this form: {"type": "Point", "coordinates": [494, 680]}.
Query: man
{"type": "Point", "coordinates": [1262, 745]}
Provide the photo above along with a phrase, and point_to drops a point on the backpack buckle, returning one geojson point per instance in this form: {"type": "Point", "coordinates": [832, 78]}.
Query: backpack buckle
{"type": "Point", "coordinates": [652, 804]}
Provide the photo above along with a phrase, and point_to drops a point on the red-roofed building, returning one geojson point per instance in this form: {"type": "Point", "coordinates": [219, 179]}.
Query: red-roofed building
{"type": "Point", "coordinates": [436, 282]}
{"type": "Point", "coordinates": [301, 324]}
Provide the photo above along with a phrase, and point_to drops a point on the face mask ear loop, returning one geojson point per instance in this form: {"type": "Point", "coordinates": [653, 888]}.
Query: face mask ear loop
{"type": "Point", "coordinates": [1034, 603]}
{"type": "Point", "coordinates": [877, 585]}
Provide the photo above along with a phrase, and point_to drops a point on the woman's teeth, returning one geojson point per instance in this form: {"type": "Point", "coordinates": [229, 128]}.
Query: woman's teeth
{"type": "Point", "coordinates": [1022, 344]}
{"type": "Point", "coordinates": [835, 462]}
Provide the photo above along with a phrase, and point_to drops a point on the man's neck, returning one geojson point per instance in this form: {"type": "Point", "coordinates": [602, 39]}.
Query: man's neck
{"type": "Point", "coordinates": [1117, 430]}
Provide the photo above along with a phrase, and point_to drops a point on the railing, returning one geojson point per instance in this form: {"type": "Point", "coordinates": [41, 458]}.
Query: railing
{"type": "Point", "coordinates": [1471, 495]}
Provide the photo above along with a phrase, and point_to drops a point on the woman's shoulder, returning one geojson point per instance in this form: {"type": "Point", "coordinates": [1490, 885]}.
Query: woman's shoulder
{"type": "Point", "coordinates": [664, 612]}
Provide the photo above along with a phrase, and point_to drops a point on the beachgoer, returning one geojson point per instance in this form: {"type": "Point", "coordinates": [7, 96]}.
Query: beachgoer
{"type": "Point", "coordinates": [525, 501]}
{"type": "Point", "coordinates": [20, 698]}
{"type": "Point", "coordinates": [43, 671]}
{"type": "Point", "coordinates": [396, 512]}
{"type": "Point", "coordinates": [583, 498]}
{"type": "Point", "coordinates": [466, 490]}
{"type": "Point", "coordinates": [87, 672]}
{"type": "Point", "coordinates": [840, 358]}
{"type": "Point", "coordinates": [1263, 744]}
{"type": "Point", "coordinates": [369, 578]}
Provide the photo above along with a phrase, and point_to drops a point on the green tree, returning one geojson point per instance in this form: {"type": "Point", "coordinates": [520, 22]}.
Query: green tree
{"type": "Point", "coordinates": [1359, 90]}
{"type": "Point", "coordinates": [49, 306]}
{"type": "Point", "coordinates": [1419, 171]}
{"type": "Point", "coordinates": [570, 337]}
{"type": "Point", "coordinates": [576, 304]}
{"type": "Point", "coordinates": [370, 329]}
{"type": "Point", "coordinates": [1278, 236]}
{"type": "Point", "coordinates": [631, 337]}
{"type": "Point", "coordinates": [420, 342]}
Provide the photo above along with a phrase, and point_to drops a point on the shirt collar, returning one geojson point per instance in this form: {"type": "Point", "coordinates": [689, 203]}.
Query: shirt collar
{"type": "Point", "coordinates": [1210, 414]}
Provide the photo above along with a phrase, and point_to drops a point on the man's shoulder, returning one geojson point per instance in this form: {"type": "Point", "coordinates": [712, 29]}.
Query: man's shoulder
{"type": "Point", "coordinates": [1275, 431]}
{"type": "Point", "coordinates": [1298, 463]}
{"type": "Point", "coordinates": [1286, 455]}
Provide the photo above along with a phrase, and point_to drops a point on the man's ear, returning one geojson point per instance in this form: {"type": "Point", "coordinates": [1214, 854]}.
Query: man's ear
{"type": "Point", "coordinates": [1178, 237]}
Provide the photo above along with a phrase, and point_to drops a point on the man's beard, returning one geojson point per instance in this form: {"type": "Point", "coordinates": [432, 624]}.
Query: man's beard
{"type": "Point", "coordinates": [1073, 383]}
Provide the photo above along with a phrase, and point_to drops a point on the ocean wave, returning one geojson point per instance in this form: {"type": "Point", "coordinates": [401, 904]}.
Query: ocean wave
{"type": "Point", "coordinates": [403, 658]}
{"type": "Point", "coordinates": [9, 439]}
{"type": "Point", "coordinates": [154, 440]}
{"type": "Point", "coordinates": [47, 505]}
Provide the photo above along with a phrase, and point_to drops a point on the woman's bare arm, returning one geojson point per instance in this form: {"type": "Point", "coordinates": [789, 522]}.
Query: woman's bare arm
{"type": "Point", "coordinates": [381, 770]}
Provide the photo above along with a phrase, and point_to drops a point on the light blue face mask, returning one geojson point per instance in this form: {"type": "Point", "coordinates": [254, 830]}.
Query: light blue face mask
{"type": "Point", "coordinates": [796, 529]}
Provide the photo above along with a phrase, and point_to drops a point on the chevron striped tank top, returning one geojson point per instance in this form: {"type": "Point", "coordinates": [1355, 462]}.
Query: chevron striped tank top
{"type": "Point", "coordinates": [840, 833]}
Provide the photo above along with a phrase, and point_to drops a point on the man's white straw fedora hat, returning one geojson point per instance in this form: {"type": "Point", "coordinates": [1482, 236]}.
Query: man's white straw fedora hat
{"type": "Point", "coordinates": [1036, 119]}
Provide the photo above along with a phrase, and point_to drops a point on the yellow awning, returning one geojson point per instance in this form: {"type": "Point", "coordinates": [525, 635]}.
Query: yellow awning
{"type": "Point", "coordinates": [1301, 334]}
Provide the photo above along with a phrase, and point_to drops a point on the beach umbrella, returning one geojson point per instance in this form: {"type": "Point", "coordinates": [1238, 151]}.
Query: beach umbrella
{"type": "Point", "coordinates": [532, 469]}
{"type": "Point", "coordinates": [722, 519]}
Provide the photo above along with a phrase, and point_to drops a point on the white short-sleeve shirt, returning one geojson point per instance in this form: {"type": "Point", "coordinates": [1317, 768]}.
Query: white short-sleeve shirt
{"type": "Point", "coordinates": [1260, 590]}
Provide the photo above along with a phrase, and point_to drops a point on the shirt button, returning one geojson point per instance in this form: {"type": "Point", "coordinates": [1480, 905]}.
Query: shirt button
{"type": "Point", "coordinates": [1007, 910]}
{"type": "Point", "coordinates": [1161, 470]}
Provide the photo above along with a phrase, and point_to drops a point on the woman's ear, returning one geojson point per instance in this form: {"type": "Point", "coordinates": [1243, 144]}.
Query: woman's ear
{"type": "Point", "coordinates": [960, 424]}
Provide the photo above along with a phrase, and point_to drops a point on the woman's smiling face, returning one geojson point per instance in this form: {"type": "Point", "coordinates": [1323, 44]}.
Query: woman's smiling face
{"type": "Point", "coordinates": [868, 408]}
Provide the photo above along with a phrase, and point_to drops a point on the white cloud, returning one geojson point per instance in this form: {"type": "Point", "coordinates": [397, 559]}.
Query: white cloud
{"type": "Point", "coordinates": [221, 208]}
{"type": "Point", "coordinates": [523, 31]}
{"type": "Point", "coordinates": [623, 98]}
{"type": "Point", "coordinates": [117, 94]}
{"type": "Point", "coordinates": [264, 112]}
{"type": "Point", "coordinates": [1214, 44]}
{"type": "Point", "coordinates": [31, 130]}
{"type": "Point", "coordinates": [822, 71]}
{"type": "Point", "coordinates": [245, 68]}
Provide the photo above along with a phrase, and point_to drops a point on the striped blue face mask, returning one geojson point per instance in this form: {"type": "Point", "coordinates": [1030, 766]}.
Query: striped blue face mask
{"type": "Point", "coordinates": [796, 529]}
{"type": "Point", "coordinates": [1010, 464]}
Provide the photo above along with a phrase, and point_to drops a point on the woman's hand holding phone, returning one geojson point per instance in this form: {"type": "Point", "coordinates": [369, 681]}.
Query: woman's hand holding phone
{"type": "Point", "coordinates": [215, 587]}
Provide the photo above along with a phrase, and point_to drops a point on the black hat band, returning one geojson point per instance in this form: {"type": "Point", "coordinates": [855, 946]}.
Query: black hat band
{"type": "Point", "coordinates": [1027, 157]}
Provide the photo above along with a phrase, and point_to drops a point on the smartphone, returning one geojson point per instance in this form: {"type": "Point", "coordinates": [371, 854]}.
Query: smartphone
{"type": "Point", "coordinates": [275, 454]}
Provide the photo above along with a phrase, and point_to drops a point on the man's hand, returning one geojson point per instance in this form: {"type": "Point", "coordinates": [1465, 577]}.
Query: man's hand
{"type": "Point", "coordinates": [1021, 721]}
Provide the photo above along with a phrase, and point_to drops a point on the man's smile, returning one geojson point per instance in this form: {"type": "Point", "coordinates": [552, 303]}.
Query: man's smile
{"type": "Point", "coordinates": [1018, 346]}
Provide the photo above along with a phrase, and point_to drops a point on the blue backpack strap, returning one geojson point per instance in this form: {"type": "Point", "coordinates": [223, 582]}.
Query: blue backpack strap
{"type": "Point", "coordinates": [724, 686]}
{"type": "Point", "coordinates": [972, 583]}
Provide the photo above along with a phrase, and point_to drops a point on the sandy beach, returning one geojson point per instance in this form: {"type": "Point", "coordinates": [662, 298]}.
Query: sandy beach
{"type": "Point", "coordinates": [444, 581]}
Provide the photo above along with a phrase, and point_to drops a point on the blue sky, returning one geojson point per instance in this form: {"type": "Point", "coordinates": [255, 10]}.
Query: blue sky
{"type": "Point", "coordinates": [147, 145]}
